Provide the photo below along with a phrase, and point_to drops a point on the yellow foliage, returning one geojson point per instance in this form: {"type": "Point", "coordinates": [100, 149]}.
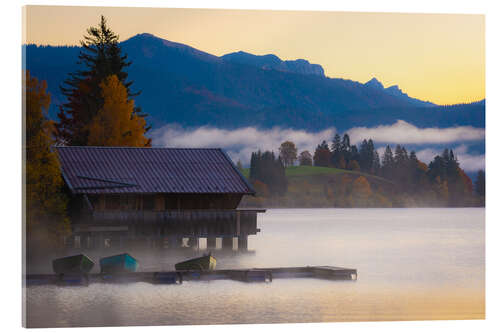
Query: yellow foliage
{"type": "Point", "coordinates": [361, 187]}
{"type": "Point", "coordinates": [45, 200]}
{"type": "Point", "coordinates": [116, 124]}
{"type": "Point", "coordinates": [361, 192]}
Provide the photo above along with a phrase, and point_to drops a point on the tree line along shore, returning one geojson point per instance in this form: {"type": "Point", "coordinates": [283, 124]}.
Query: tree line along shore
{"type": "Point", "coordinates": [345, 175]}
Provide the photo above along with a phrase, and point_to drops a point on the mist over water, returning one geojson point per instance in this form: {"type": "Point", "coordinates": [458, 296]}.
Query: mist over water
{"type": "Point", "coordinates": [413, 264]}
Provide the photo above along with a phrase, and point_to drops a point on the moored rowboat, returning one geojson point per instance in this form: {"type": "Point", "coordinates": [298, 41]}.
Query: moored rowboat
{"type": "Point", "coordinates": [120, 263]}
{"type": "Point", "coordinates": [204, 263]}
{"type": "Point", "coordinates": [78, 264]}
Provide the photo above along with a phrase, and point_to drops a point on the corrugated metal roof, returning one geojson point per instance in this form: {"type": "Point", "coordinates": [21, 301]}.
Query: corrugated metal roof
{"type": "Point", "coordinates": [150, 170]}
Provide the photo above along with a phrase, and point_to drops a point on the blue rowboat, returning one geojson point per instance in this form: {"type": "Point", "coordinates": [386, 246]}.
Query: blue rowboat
{"type": "Point", "coordinates": [120, 263]}
{"type": "Point", "coordinates": [78, 264]}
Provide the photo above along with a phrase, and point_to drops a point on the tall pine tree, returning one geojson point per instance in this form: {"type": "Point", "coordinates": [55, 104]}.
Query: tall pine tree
{"type": "Point", "coordinates": [101, 57]}
{"type": "Point", "coordinates": [387, 163]}
{"type": "Point", "coordinates": [336, 151]}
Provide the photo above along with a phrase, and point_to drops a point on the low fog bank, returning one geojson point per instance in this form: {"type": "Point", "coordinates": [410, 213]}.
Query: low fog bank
{"type": "Point", "coordinates": [241, 142]}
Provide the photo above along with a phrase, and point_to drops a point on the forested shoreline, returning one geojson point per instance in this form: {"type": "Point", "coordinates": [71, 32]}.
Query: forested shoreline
{"type": "Point", "coordinates": [345, 175]}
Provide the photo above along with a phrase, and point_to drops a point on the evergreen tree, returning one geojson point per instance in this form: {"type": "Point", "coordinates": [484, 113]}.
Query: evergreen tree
{"type": "Point", "coordinates": [100, 57]}
{"type": "Point", "coordinates": [387, 163]}
{"type": "Point", "coordinates": [445, 168]}
{"type": "Point", "coordinates": [376, 163]}
{"type": "Point", "coordinates": [354, 154]}
{"type": "Point", "coordinates": [346, 143]}
{"type": "Point", "coordinates": [401, 168]}
{"type": "Point", "coordinates": [452, 166]}
{"type": "Point", "coordinates": [336, 151]}
{"type": "Point", "coordinates": [346, 148]}
{"type": "Point", "coordinates": [336, 143]}
{"type": "Point", "coordinates": [371, 155]}
{"type": "Point", "coordinates": [366, 156]}
{"type": "Point", "coordinates": [413, 171]}
{"type": "Point", "coordinates": [400, 157]}
{"type": "Point", "coordinates": [413, 159]}
{"type": "Point", "coordinates": [254, 166]}
{"type": "Point", "coordinates": [322, 155]}
{"type": "Point", "coordinates": [269, 170]}
{"type": "Point", "coordinates": [437, 168]}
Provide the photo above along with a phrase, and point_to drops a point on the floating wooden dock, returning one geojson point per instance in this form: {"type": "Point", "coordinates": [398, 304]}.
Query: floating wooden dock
{"type": "Point", "coordinates": [177, 277]}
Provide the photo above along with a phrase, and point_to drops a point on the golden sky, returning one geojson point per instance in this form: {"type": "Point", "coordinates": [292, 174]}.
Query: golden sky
{"type": "Point", "coordinates": [435, 57]}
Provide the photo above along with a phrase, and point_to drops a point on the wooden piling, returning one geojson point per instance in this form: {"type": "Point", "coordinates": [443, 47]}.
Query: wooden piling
{"type": "Point", "coordinates": [211, 242]}
{"type": "Point", "coordinates": [243, 242]}
{"type": "Point", "coordinates": [227, 243]}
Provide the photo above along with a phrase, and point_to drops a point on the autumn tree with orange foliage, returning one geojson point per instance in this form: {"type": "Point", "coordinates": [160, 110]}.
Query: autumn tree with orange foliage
{"type": "Point", "coordinates": [361, 192]}
{"type": "Point", "coordinates": [45, 199]}
{"type": "Point", "coordinates": [116, 124]}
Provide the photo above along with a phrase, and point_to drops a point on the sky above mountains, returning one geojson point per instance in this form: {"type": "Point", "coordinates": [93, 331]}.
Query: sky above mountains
{"type": "Point", "coordinates": [434, 57]}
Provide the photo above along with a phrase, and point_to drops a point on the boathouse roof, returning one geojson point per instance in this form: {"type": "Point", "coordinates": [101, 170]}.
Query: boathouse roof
{"type": "Point", "coordinates": [92, 170]}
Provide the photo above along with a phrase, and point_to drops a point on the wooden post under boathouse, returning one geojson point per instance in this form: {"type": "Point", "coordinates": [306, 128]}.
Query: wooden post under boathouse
{"type": "Point", "coordinates": [155, 197]}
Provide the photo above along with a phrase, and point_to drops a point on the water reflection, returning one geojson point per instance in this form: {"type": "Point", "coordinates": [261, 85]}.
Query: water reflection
{"type": "Point", "coordinates": [412, 263]}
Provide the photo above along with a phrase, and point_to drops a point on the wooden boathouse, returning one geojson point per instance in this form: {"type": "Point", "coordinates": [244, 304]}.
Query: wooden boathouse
{"type": "Point", "coordinates": [155, 197]}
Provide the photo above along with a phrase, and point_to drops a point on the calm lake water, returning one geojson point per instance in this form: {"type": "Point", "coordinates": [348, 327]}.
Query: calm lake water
{"type": "Point", "coordinates": [413, 264]}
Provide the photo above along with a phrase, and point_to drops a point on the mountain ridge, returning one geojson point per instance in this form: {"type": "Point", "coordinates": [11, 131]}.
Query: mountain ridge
{"type": "Point", "coordinates": [181, 84]}
{"type": "Point", "coordinates": [395, 91]}
{"type": "Point", "coordinates": [273, 62]}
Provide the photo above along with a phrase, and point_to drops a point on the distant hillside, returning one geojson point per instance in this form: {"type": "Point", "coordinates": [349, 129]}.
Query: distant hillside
{"type": "Point", "coordinates": [190, 87]}
{"type": "Point", "coordinates": [310, 186]}
{"type": "Point", "coordinates": [312, 171]}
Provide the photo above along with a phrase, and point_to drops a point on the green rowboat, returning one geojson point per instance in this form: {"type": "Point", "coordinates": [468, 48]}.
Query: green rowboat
{"type": "Point", "coordinates": [79, 264]}
{"type": "Point", "coordinates": [204, 263]}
